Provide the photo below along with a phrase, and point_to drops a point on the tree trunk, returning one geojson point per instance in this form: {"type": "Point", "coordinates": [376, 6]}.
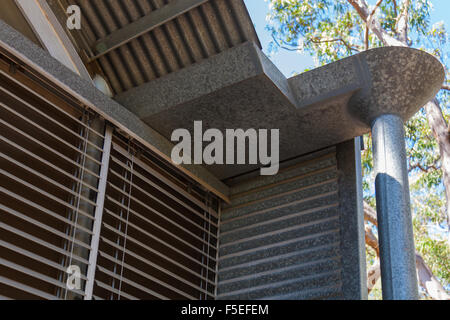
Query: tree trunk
{"type": "Point", "coordinates": [441, 133]}
{"type": "Point", "coordinates": [428, 281]}
{"type": "Point", "coordinates": [373, 275]}
{"type": "Point", "coordinates": [424, 274]}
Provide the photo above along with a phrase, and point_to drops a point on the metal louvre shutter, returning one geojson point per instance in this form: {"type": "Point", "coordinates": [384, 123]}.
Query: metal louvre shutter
{"type": "Point", "coordinates": [158, 236]}
{"type": "Point", "coordinates": [49, 163]}
{"type": "Point", "coordinates": [73, 192]}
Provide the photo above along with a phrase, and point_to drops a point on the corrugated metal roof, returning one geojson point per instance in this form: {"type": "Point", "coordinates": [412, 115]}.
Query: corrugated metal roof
{"type": "Point", "coordinates": [197, 34]}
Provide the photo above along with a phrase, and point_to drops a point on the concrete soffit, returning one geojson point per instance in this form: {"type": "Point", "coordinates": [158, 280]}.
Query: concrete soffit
{"type": "Point", "coordinates": [241, 88]}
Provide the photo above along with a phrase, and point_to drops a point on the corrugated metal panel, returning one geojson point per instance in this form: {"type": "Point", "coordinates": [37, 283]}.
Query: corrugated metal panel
{"type": "Point", "coordinates": [280, 236]}
{"type": "Point", "coordinates": [211, 28]}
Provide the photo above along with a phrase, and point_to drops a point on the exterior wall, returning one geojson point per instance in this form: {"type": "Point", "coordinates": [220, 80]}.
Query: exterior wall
{"type": "Point", "coordinates": [353, 247]}
{"type": "Point", "coordinates": [295, 235]}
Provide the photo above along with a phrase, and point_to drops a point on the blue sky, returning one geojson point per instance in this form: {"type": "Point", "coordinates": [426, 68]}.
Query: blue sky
{"type": "Point", "coordinates": [289, 62]}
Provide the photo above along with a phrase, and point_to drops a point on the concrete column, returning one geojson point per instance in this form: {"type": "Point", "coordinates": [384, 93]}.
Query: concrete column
{"type": "Point", "coordinates": [398, 272]}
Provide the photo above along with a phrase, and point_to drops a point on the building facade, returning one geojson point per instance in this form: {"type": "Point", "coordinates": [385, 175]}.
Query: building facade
{"type": "Point", "coordinates": [93, 207]}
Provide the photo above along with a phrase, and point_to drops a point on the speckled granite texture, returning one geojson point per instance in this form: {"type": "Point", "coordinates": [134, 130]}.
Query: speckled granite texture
{"type": "Point", "coordinates": [241, 88]}
{"type": "Point", "coordinates": [296, 235]}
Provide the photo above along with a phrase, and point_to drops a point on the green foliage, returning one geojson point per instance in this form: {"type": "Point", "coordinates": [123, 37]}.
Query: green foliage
{"type": "Point", "coordinates": [332, 29]}
{"type": "Point", "coordinates": [316, 26]}
{"type": "Point", "coordinates": [434, 250]}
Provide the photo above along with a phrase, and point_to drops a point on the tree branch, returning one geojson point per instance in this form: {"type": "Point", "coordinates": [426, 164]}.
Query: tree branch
{"type": "Point", "coordinates": [373, 274]}
{"type": "Point", "coordinates": [369, 21]}
{"type": "Point", "coordinates": [402, 22]}
{"type": "Point", "coordinates": [422, 168]}
{"type": "Point", "coordinates": [440, 129]}
{"type": "Point", "coordinates": [445, 87]}
{"type": "Point", "coordinates": [428, 281]}
{"type": "Point", "coordinates": [362, 9]}
{"type": "Point", "coordinates": [395, 7]}
{"type": "Point", "coordinates": [371, 239]}
{"type": "Point", "coordinates": [283, 47]}
{"type": "Point", "coordinates": [345, 43]}
{"type": "Point", "coordinates": [370, 214]}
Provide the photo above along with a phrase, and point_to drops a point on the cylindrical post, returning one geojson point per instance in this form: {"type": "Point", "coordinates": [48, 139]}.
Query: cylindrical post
{"type": "Point", "coordinates": [398, 271]}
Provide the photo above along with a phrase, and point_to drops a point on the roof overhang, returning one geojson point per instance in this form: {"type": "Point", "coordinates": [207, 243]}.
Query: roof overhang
{"type": "Point", "coordinates": [241, 88]}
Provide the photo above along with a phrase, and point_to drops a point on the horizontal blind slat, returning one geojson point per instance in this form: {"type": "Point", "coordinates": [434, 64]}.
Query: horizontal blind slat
{"type": "Point", "coordinates": [166, 181]}
{"type": "Point", "coordinates": [41, 242]}
{"type": "Point", "coordinates": [57, 123]}
{"type": "Point", "coordinates": [160, 215]}
{"type": "Point", "coordinates": [35, 274]}
{"type": "Point", "coordinates": [48, 102]}
{"type": "Point", "coordinates": [159, 268]}
{"type": "Point", "coordinates": [27, 289]}
{"type": "Point", "coordinates": [43, 177]}
{"type": "Point", "coordinates": [145, 275]}
{"type": "Point", "coordinates": [153, 264]}
{"type": "Point", "coordinates": [46, 194]}
{"type": "Point", "coordinates": [35, 257]}
{"type": "Point", "coordinates": [170, 246]}
{"type": "Point", "coordinates": [60, 155]}
{"type": "Point", "coordinates": [49, 164]}
{"type": "Point", "coordinates": [44, 210]}
{"type": "Point", "coordinates": [171, 196]}
{"type": "Point", "coordinates": [42, 129]}
{"type": "Point", "coordinates": [43, 226]}
{"type": "Point", "coordinates": [113, 290]}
